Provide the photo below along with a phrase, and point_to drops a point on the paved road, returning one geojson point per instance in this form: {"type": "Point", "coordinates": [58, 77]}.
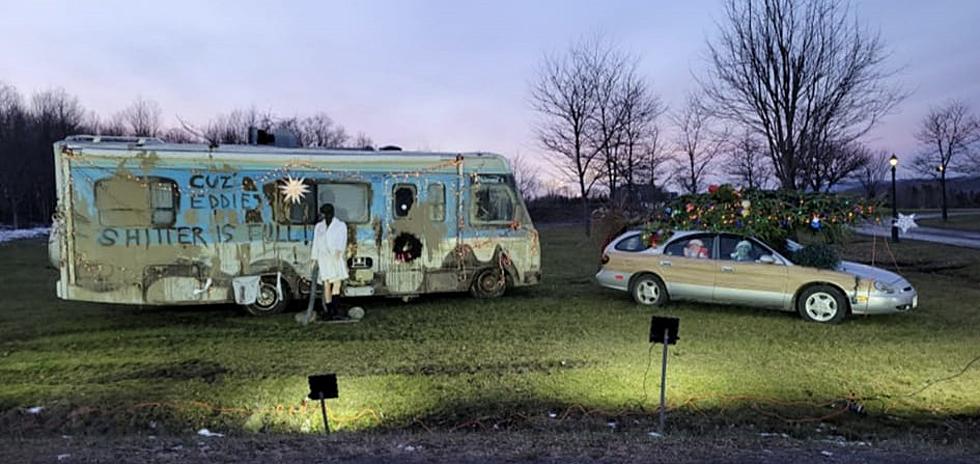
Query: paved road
{"type": "Point", "coordinates": [962, 238]}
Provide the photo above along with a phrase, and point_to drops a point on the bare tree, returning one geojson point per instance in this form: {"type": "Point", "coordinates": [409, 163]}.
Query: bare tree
{"type": "Point", "coordinates": [15, 174]}
{"type": "Point", "coordinates": [232, 128]}
{"type": "Point", "coordinates": [567, 97]}
{"type": "Point", "coordinates": [98, 125]}
{"type": "Point", "coordinates": [697, 144]}
{"type": "Point", "coordinates": [55, 115]}
{"type": "Point", "coordinates": [947, 133]}
{"type": "Point", "coordinates": [142, 118]}
{"type": "Point", "coordinates": [872, 175]}
{"type": "Point", "coordinates": [179, 135]}
{"type": "Point", "coordinates": [798, 73]}
{"type": "Point", "coordinates": [832, 162]}
{"type": "Point", "coordinates": [655, 169]}
{"type": "Point", "coordinates": [748, 162]}
{"type": "Point", "coordinates": [640, 155]}
{"type": "Point", "coordinates": [612, 78]}
{"type": "Point", "coordinates": [319, 130]}
{"type": "Point", "coordinates": [362, 141]}
{"type": "Point", "coordinates": [526, 177]}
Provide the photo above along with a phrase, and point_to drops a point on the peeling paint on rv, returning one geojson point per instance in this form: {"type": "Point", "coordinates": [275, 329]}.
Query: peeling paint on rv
{"type": "Point", "coordinates": [153, 223]}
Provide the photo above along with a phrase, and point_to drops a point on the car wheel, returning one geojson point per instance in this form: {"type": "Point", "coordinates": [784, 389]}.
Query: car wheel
{"type": "Point", "coordinates": [488, 283]}
{"type": "Point", "coordinates": [822, 304]}
{"type": "Point", "coordinates": [267, 302]}
{"type": "Point", "coordinates": [648, 290]}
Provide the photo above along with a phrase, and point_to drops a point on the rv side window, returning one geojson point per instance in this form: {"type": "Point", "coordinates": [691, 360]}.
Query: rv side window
{"type": "Point", "coordinates": [296, 212]}
{"type": "Point", "coordinates": [437, 198]}
{"type": "Point", "coordinates": [163, 203]}
{"type": "Point", "coordinates": [403, 198]}
{"type": "Point", "coordinates": [136, 202]}
{"type": "Point", "coordinates": [492, 203]}
{"type": "Point", "coordinates": [350, 201]}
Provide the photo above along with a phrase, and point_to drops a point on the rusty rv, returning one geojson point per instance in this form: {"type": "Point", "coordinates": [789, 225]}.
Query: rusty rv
{"type": "Point", "coordinates": [144, 222]}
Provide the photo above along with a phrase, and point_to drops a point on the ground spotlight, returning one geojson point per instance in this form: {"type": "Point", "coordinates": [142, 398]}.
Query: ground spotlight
{"type": "Point", "coordinates": [322, 387]}
{"type": "Point", "coordinates": [664, 330]}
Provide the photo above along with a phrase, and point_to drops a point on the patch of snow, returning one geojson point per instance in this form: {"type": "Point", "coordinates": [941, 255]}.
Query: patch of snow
{"type": "Point", "coordinates": [35, 409]}
{"type": "Point", "coordinates": [62, 457]}
{"type": "Point", "coordinates": [655, 434]}
{"type": "Point", "coordinates": [769, 434]}
{"type": "Point", "coordinates": [7, 235]}
{"type": "Point", "coordinates": [208, 433]}
{"type": "Point", "coordinates": [827, 453]}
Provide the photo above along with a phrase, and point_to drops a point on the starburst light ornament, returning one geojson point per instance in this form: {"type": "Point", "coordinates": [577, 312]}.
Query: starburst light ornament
{"type": "Point", "coordinates": [294, 189]}
{"type": "Point", "coordinates": [905, 222]}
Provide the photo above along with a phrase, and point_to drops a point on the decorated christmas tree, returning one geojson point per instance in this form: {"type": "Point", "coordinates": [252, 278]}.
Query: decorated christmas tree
{"type": "Point", "coordinates": [771, 216]}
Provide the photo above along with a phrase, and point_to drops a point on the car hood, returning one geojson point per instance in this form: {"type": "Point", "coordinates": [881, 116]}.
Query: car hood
{"type": "Point", "coordinates": [870, 272]}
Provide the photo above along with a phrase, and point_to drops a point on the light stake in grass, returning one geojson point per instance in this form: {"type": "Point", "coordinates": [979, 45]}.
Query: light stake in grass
{"type": "Point", "coordinates": [322, 387]}
{"type": "Point", "coordinates": [664, 330]}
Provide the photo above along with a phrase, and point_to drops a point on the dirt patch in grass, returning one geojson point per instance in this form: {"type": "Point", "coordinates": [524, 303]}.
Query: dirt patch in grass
{"type": "Point", "coordinates": [607, 446]}
{"type": "Point", "coordinates": [194, 369]}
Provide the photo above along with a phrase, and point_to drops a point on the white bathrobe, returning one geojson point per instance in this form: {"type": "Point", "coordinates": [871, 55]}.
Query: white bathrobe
{"type": "Point", "coordinates": [329, 250]}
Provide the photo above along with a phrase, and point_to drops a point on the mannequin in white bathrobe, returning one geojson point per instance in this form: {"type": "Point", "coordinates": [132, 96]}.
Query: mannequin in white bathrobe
{"type": "Point", "coordinates": [328, 254]}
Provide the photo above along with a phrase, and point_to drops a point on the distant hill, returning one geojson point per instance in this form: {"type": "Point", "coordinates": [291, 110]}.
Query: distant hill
{"type": "Point", "coordinates": [961, 192]}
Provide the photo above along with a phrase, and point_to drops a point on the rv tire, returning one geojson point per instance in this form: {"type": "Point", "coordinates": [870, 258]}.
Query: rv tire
{"type": "Point", "coordinates": [268, 301]}
{"type": "Point", "coordinates": [488, 283]}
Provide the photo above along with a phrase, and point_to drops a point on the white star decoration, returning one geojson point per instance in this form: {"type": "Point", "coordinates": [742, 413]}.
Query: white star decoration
{"type": "Point", "coordinates": [905, 222]}
{"type": "Point", "coordinates": [294, 189]}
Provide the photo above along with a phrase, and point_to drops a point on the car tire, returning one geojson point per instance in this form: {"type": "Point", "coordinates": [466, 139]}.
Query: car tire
{"type": "Point", "coordinates": [268, 302]}
{"type": "Point", "coordinates": [648, 290]}
{"type": "Point", "coordinates": [823, 304]}
{"type": "Point", "coordinates": [488, 283]}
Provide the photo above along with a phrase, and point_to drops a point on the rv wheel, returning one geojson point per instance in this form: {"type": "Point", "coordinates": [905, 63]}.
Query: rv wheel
{"type": "Point", "coordinates": [268, 302]}
{"type": "Point", "coordinates": [488, 283]}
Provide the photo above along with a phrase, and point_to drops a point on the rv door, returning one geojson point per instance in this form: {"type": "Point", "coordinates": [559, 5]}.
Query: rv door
{"type": "Point", "coordinates": [404, 243]}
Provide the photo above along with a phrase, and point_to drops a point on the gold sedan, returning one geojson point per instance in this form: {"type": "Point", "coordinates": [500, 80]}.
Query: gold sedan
{"type": "Point", "coordinates": [732, 269]}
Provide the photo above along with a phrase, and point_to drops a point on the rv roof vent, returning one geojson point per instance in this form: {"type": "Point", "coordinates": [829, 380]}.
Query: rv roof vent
{"type": "Point", "coordinates": [114, 139]}
{"type": "Point", "coordinates": [390, 148]}
{"type": "Point", "coordinates": [276, 138]}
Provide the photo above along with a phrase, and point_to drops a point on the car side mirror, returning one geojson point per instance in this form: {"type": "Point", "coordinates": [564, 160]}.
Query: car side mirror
{"type": "Point", "coordinates": [767, 259]}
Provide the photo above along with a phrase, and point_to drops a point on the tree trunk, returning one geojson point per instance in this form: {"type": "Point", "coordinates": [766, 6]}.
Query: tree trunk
{"type": "Point", "coordinates": [586, 216]}
{"type": "Point", "coordinates": [942, 182]}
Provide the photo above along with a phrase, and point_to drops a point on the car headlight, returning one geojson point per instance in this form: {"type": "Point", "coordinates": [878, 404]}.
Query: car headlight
{"type": "Point", "coordinates": [883, 288]}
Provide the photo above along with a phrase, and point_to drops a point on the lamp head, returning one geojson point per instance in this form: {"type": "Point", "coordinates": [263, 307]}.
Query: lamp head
{"type": "Point", "coordinates": [893, 160]}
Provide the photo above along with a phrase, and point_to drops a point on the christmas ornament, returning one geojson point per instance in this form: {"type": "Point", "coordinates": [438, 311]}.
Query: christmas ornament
{"type": "Point", "coordinates": [294, 189]}
{"type": "Point", "coordinates": [905, 222]}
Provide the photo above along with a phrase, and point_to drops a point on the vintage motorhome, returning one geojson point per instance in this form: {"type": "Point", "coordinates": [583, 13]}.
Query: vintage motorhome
{"type": "Point", "coordinates": [144, 222]}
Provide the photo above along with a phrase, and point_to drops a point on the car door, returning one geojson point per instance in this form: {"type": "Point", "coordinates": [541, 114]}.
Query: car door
{"type": "Point", "coordinates": [687, 268]}
{"type": "Point", "coordinates": [744, 276]}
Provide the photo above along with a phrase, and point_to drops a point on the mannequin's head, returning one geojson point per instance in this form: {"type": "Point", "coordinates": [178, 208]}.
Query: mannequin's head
{"type": "Point", "coordinates": [326, 212]}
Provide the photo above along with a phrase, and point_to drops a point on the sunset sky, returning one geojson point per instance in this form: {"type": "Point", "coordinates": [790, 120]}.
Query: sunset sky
{"type": "Point", "coordinates": [435, 75]}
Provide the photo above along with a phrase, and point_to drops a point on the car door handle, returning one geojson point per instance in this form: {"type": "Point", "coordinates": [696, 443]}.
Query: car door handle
{"type": "Point", "coordinates": [665, 263]}
{"type": "Point", "coordinates": [727, 269]}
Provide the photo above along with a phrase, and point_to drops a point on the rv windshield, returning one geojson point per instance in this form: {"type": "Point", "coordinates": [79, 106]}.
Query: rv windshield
{"type": "Point", "coordinates": [494, 200]}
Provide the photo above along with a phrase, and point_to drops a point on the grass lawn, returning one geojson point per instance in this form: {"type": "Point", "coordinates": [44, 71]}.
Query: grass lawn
{"type": "Point", "coordinates": [564, 354]}
{"type": "Point", "coordinates": [969, 222]}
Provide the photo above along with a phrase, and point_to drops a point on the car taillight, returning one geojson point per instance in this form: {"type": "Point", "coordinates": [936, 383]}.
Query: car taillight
{"type": "Point", "coordinates": [605, 258]}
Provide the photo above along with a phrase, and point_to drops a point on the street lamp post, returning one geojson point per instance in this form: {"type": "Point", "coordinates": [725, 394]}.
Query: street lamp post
{"type": "Point", "coordinates": [894, 162]}
{"type": "Point", "coordinates": [942, 186]}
